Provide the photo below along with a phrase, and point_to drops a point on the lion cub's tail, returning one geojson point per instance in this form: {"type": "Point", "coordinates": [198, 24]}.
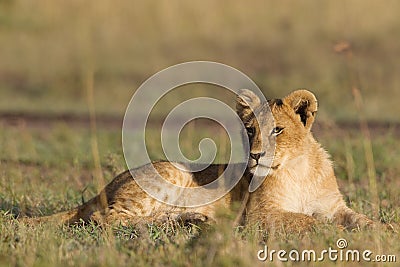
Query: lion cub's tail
{"type": "Point", "coordinates": [65, 217]}
{"type": "Point", "coordinates": [83, 212]}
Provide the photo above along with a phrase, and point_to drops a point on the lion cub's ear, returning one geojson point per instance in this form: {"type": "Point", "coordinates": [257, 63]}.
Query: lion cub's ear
{"type": "Point", "coordinates": [246, 102]}
{"type": "Point", "coordinates": [305, 104]}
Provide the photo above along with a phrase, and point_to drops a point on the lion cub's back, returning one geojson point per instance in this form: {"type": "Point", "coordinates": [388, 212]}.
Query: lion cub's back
{"type": "Point", "coordinates": [125, 196]}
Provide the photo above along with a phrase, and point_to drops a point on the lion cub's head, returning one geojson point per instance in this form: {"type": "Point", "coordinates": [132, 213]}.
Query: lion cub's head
{"type": "Point", "coordinates": [286, 130]}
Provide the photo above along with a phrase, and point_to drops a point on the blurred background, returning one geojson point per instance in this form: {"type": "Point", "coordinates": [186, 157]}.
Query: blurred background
{"type": "Point", "coordinates": [48, 47]}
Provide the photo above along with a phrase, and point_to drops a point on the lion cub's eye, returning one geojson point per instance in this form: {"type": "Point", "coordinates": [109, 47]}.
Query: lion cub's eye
{"type": "Point", "coordinates": [250, 131]}
{"type": "Point", "coordinates": [277, 130]}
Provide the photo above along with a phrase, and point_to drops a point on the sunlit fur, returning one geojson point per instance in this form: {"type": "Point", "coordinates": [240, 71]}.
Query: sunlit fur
{"type": "Point", "coordinates": [300, 186]}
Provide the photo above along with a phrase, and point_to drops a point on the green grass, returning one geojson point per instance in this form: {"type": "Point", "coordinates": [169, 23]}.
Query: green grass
{"type": "Point", "coordinates": [44, 170]}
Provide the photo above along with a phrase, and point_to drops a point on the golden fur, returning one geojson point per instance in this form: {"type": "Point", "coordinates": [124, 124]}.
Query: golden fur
{"type": "Point", "coordinates": [300, 186]}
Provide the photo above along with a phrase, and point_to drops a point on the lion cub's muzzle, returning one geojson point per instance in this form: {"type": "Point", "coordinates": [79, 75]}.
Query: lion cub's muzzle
{"type": "Point", "coordinates": [260, 164]}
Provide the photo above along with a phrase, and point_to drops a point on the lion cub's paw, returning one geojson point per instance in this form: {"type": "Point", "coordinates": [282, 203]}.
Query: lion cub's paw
{"type": "Point", "coordinates": [360, 222]}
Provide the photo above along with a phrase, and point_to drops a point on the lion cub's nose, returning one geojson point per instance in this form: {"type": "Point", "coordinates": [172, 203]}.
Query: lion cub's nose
{"type": "Point", "coordinates": [257, 155]}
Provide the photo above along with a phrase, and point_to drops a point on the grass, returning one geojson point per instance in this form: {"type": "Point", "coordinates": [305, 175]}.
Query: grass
{"type": "Point", "coordinates": [45, 170]}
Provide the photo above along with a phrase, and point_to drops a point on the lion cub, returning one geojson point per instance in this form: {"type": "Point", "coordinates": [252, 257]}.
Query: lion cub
{"type": "Point", "coordinates": [299, 186]}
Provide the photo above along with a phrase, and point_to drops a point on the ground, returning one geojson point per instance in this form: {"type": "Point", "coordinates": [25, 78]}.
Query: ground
{"type": "Point", "coordinates": [46, 166]}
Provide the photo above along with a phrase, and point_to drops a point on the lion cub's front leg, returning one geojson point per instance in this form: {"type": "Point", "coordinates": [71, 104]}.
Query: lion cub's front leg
{"type": "Point", "coordinates": [289, 222]}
